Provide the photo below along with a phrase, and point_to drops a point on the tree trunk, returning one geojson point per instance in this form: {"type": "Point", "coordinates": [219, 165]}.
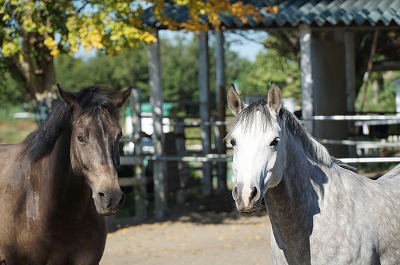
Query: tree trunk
{"type": "Point", "coordinates": [34, 68]}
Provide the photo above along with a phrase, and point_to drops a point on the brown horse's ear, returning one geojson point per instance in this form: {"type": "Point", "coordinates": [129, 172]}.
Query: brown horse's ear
{"type": "Point", "coordinates": [119, 98]}
{"type": "Point", "coordinates": [235, 103]}
{"type": "Point", "coordinates": [68, 97]}
{"type": "Point", "coordinates": [274, 100]}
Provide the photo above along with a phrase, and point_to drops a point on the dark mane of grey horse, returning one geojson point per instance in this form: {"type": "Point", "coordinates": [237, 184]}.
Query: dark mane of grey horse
{"type": "Point", "coordinates": [91, 100]}
{"type": "Point", "coordinates": [314, 150]}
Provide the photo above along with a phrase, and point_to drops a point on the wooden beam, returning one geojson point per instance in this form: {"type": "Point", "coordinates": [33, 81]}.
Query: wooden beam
{"type": "Point", "coordinates": [350, 68]}
{"type": "Point", "coordinates": [306, 76]}
{"type": "Point", "coordinates": [156, 100]}
{"type": "Point", "coordinates": [221, 106]}
{"type": "Point", "coordinates": [204, 83]}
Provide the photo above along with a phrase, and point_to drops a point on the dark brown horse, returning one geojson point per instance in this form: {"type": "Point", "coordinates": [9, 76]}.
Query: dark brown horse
{"type": "Point", "coordinates": [58, 183]}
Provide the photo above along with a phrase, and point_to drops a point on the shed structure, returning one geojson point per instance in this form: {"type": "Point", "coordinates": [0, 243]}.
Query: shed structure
{"type": "Point", "coordinates": [337, 41]}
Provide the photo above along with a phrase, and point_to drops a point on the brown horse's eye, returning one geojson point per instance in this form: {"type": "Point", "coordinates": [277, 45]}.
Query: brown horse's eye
{"type": "Point", "coordinates": [80, 137]}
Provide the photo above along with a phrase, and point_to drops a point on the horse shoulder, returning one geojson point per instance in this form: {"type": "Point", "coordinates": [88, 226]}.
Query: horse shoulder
{"type": "Point", "coordinates": [359, 213]}
{"type": "Point", "coordinates": [11, 159]}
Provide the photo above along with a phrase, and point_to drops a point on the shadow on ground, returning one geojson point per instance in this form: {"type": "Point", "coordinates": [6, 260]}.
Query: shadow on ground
{"type": "Point", "coordinates": [214, 209]}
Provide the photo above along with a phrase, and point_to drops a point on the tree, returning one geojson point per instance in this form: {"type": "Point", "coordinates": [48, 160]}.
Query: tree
{"type": "Point", "coordinates": [127, 68]}
{"type": "Point", "coordinates": [278, 64]}
{"type": "Point", "coordinates": [179, 69]}
{"type": "Point", "coordinates": [33, 32]}
{"type": "Point", "coordinates": [9, 92]}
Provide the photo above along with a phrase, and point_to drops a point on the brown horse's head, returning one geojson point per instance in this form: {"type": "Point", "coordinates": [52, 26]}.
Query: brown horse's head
{"type": "Point", "coordinates": [94, 144]}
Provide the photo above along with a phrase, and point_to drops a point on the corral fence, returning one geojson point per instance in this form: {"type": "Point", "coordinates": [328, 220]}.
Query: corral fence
{"type": "Point", "coordinates": [183, 159]}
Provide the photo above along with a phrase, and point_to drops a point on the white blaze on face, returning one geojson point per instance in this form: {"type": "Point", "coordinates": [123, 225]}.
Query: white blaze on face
{"type": "Point", "coordinates": [254, 157]}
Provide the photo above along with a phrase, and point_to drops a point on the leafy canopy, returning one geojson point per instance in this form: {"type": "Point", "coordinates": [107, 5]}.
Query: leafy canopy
{"type": "Point", "coordinates": [62, 26]}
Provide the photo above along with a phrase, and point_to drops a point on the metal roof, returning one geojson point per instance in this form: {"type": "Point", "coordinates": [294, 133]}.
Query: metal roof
{"type": "Point", "coordinates": [291, 13]}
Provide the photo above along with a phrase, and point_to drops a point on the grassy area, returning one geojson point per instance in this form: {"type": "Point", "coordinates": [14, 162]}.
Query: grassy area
{"type": "Point", "coordinates": [12, 130]}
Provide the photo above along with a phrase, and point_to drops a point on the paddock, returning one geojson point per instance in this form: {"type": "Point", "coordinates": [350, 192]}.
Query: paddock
{"type": "Point", "coordinates": [203, 232]}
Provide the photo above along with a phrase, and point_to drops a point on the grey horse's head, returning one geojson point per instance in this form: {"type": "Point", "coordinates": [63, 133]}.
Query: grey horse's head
{"type": "Point", "coordinates": [255, 137]}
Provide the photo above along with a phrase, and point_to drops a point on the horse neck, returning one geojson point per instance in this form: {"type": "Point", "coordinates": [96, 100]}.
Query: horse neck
{"type": "Point", "coordinates": [59, 185]}
{"type": "Point", "coordinates": [292, 204]}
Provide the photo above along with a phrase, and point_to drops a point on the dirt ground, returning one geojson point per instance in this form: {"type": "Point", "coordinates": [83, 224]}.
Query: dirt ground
{"type": "Point", "coordinates": [205, 232]}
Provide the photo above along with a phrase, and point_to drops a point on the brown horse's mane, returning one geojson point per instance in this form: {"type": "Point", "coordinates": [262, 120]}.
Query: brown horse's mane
{"type": "Point", "coordinates": [91, 100]}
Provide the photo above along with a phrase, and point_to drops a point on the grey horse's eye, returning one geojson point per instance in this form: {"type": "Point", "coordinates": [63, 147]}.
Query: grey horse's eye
{"type": "Point", "coordinates": [233, 142]}
{"type": "Point", "coordinates": [274, 142]}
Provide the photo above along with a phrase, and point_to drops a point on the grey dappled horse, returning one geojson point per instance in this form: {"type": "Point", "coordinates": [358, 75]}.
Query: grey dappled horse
{"type": "Point", "coordinates": [321, 212]}
{"type": "Point", "coordinates": [56, 185]}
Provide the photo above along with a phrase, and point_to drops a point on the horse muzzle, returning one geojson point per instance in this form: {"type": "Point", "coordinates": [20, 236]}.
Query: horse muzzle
{"type": "Point", "coordinates": [247, 200]}
{"type": "Point", "coordinates": [109, 202]}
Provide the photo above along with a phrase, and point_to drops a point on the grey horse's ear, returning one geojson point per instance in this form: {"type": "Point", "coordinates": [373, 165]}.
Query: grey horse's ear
{"type": "Point", "coordinates": [119, 98]}
{"type": "Point", "coordinates": [235, 103]}
{"type": "Point", "coordinates": [68, 97]}
{"type": "Point", "coordinates": [274, 101]}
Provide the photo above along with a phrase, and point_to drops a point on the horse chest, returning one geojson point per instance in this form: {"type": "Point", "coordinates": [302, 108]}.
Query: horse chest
{"type": "Point", "coordinates": [40, 244]}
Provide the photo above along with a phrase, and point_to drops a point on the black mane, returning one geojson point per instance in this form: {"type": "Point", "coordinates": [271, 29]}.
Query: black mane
{"type": "Point", "coordinates": [91, 100]}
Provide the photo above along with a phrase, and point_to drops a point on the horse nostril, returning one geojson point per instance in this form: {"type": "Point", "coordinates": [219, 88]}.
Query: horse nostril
{"type": "Point", "coordinates": [235, 193]}
{"type": "Point", "coordinates": [105, 201]}
{"type": "Point", "coordinates": [253, 194]}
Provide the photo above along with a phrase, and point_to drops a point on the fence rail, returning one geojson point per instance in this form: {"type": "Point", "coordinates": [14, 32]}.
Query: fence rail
{"type": "Point", "coordinates": [186, 155]}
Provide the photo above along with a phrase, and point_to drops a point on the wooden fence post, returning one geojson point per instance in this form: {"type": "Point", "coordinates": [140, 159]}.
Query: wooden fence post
{"type": "Point", "coordinates": [221, 99]}
{"type": "Point", "coordinates": [205, 110]}
{"type": "Point", "coordinates": [156, 100]}
{"type": "Point", "coordinates": [182, 166]}
{"type": "Point", "coordinates": [141, 202]}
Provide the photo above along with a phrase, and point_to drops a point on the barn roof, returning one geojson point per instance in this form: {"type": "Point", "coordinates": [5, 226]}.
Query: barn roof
{"type": "Point", "coordinates": [294, 12]}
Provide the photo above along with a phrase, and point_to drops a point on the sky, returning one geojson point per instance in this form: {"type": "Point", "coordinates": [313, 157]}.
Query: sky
{"type": "Point", "coordinates": [245, 47]}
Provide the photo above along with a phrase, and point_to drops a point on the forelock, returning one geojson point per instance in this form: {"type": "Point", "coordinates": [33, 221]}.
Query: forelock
{"type": "Point", "coordinates": [248, 117]}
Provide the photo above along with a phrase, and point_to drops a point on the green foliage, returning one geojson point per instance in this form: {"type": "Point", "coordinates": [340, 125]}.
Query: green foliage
{"type": "Point", "coordinates": [128, 68]}
{"type": "Point", "coordinates": [271, 65]}
{"type": "Point", "coordinates": [380, 95]}
{"type": "Point", "coordinates": [106, 25]}
{"type": "Point", "coordinates": [180, 73]}
{"type": "Point", "coordinates": [10, 93]}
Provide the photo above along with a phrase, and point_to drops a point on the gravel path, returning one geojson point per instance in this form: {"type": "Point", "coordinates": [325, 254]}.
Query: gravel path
{"type": "Point", "coordinates": [198, 234]}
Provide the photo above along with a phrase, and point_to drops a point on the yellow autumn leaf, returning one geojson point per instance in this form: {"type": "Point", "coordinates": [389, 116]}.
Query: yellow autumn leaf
{"type": "Point", "coordinates": [9, 48]}
{"type": "Point", "coordinates": [55, 52]}
{"type": "Point", "coordinates": [182, 2]}
{"type": "Point", "coordinates": [6, 17]}
{"type": "Point", "coordinates": [49, 42]}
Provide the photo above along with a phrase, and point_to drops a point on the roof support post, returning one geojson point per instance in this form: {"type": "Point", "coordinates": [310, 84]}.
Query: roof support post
{"type": "Point", "coordinates": [204, 83]}
{"type": "Point", "coordinates": [221, 106]}
{"type": "Point", "coordinates": [156, 101]}
{"type": "Point", "coordinates": [350, 68]}
{"type": "Point", "coordinates": [306, 77]}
